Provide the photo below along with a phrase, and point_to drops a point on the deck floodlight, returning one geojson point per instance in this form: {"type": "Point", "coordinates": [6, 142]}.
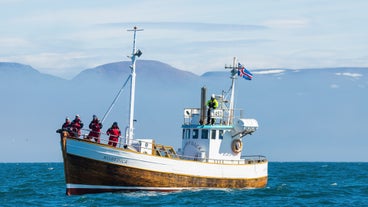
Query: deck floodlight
{"type": "Point", "coordinates": [138, 53]}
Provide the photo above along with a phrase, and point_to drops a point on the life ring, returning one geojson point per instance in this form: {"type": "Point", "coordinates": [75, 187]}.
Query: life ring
{"type": "Point", "coordinates": [237, 146]}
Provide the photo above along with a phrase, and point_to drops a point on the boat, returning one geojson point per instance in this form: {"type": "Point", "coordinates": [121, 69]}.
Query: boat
{"type": "Point", "coordinates": [210, 156]}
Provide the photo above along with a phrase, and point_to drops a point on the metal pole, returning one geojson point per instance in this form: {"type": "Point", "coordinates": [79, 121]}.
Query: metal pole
{"type": "Point", "coordinates": [233, 77]}
{"type": "Point", "coordinates": [132, 87]}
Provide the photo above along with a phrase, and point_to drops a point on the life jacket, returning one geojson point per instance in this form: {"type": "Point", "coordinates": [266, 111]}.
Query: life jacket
{"type": "Point", "coordinates": [212, 103]}
{"type": "Point", "coordinates": [66, 125]}
{"type": "Point", "coordinates": [95, 125]}
{"type": "Point", "coordinates": [113, 132]}
{"type": "Point", "coordinates": [77, 123]}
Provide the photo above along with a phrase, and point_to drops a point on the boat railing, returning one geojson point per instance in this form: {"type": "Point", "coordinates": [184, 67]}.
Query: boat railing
{"type": "Point", "coordinates": [246, 159]}
{"type": "Point", "coordinates": [135, 144]}
{"type": "Point", "coordinates": [103, 138]}
{"type": "Point", "coordinates": [222, 116]}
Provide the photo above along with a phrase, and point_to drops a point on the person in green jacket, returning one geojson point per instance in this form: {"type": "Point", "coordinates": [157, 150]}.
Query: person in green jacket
{"type": "Point", "coordinates": [212, 105]}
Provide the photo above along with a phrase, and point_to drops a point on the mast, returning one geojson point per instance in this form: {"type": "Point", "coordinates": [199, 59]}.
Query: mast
{"type": "Point", "coordinates": [234, 72]}
{"type": "Point", "coordinates": [135, 53]}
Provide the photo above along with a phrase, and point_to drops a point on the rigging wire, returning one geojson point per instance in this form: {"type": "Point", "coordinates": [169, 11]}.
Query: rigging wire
{"type": "Point", "coordinates": [115, 99]}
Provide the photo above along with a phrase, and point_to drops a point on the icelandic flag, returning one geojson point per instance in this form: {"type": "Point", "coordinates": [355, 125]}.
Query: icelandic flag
{"type": "Point", "coordinates": [242, 72]}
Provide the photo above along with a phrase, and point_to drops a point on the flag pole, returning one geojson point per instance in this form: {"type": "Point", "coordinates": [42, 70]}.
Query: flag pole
{"type": "Point", "coordinates": [233, 78]}
{"type": "Point", "coordinates": [234, 73]}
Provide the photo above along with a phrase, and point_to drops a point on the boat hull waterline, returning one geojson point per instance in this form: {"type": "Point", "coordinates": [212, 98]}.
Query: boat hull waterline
{"type": "Point", "coordinates": [96, 168]}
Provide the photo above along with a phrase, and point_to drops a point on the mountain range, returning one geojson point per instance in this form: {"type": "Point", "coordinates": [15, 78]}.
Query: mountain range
{"type": "Point", "coordinates": [311, 114]}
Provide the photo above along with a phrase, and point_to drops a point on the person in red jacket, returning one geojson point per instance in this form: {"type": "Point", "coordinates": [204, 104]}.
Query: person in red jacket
{"type": "Point", "coordinates": [76, 126]}
{"type": "Point", "coordinates": [95, 127]}
{"type": "Point", "coordinates": [66, 125]}
{"type": "Point", "coordinates": [114, 133]}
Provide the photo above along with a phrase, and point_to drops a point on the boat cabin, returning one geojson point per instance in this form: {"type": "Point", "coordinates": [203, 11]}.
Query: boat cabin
{"type": "Point", "coordinates": [218, 141]}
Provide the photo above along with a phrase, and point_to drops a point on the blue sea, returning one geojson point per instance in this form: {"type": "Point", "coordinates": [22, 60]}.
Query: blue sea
{"type": "Point", "coordinates": [290, 184]}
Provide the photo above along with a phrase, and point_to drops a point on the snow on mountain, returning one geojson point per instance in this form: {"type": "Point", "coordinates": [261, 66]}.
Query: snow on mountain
{"type": "Point", "coordinates": [264, 72]}
{"type": "Point", "coordinates": [353, 75]}
{"type": "Point", "coordinates": [304, 114]}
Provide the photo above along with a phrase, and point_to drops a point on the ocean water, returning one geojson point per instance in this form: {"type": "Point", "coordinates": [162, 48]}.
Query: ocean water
{"type": "Point", "coordinates": [290, 184]}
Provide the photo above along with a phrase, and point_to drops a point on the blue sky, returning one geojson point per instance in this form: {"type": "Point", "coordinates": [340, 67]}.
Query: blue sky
{"type": "Point", "coordinates": [65, 37]}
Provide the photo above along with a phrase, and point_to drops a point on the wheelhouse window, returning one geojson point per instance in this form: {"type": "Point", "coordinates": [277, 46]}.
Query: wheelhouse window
{"type": "Point", "coordinates": [221, 134]}
{"type": "Point", "coordinates": [213, 134]}
{"type": "Point", "coordinates": [204, 133]}
{"type": "Point", "coordinates": [186, 134]}
{"type": "Point", "coordinates": [195, 133]}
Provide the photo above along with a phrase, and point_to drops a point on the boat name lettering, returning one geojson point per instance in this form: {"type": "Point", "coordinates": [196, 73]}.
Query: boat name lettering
{"type": "Point", "coordinates": [115, 159]}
